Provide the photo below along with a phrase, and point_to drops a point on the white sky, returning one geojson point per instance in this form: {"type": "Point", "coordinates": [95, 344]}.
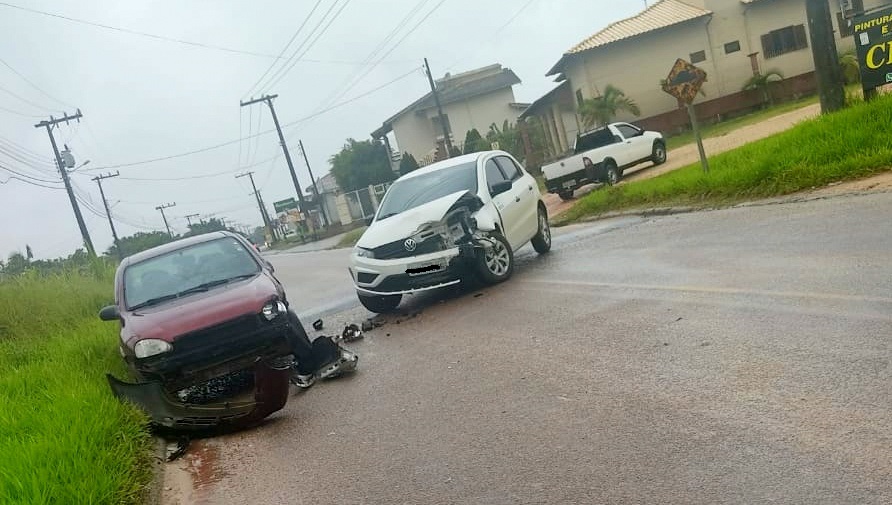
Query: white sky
{"type": "Point", "coordinates": [144, 98]}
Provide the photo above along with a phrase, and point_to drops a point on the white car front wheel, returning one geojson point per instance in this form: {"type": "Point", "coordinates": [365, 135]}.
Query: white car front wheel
{"type": "Point", "coordinates": [496, 263]}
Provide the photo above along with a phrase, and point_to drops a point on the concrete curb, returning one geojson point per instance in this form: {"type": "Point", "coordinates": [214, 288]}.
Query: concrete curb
{"type": "Point", "coordinates": [669, 211]}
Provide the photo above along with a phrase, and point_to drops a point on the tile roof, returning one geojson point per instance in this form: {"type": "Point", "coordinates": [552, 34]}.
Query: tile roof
{"type": "Point", "coordinates": [456, 89]}
{"type": "Point", "coordinates": [662, 14]}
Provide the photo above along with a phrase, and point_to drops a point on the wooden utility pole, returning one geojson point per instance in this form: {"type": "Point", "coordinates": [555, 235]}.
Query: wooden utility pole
{"type": "Point", "coordinates": [189, 220]}
{"type": "Point", "coordinates": [823, 48]}
{"type": "Point", "coordinates": [269, 101]}
{"type": "Point", "coordinates": [319, 202]}
{"type": "Point", "coordinates": [164, 217]}
{"type": "Point", "coordinates": [266, 222]}
{"type": "Point", "coordinates": [99, 178]}
{"type": "Point", "coordinates": [430, 79]}
{"type": "Point", "coordinates": [85, 234]}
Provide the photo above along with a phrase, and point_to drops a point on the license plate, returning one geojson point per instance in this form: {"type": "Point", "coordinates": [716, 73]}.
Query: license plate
{"type": "Point", "coordinates": [425, 268]}
{"type": "Point", "coordinates": [569, 184]}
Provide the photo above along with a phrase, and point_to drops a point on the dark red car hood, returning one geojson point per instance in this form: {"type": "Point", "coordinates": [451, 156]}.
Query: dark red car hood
{"type": "Point", "coordinates": [169, 320]}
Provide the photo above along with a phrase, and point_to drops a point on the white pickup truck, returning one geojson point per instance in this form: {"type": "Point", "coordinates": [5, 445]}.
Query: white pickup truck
{"type": "Point", "coordinates": [601, 155]}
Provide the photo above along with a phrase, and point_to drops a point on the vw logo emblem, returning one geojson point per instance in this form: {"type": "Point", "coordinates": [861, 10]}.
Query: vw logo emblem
{"type": "Point", "coordinates": [410, 244]}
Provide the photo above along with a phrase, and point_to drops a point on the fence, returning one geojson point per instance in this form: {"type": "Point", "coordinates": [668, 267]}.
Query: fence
{"type": "Point", "coordinates": [363, 203]}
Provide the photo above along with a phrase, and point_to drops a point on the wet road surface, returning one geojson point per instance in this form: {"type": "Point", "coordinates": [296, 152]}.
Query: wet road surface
{"type": "Point", "coordinates": [734, 356]}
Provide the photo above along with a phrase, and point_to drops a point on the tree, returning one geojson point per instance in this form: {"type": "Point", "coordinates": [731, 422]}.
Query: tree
{"type": "Point", "coordinates": [212, 224]}
{"type": "Point", "coordinates": [408, 164]}
{"type": "Point", "coordinates": [139, 242]}
{"type": "Point", "coordinates": [763, 84]}
{"type": "Point", "coordinates": [474, 142]}
{"type": "Point", "coordinates": [16, 264]}
{"type": "Point", "coordinates": [851, 69]}
{"type": "Point", "coordinates": [603, 109]}
{"type": "Point", "coordinates": [508, 138]}
{"type": "Point", "coordinates": [360, 164]}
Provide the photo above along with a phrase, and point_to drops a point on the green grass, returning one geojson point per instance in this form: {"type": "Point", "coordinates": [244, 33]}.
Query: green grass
{"type": "Point", "coordinates": [350, 238]}
{"type": "Point", "coordinates": [726, 127]}
{"type": "Point", "coordinates": [849, 144]}
{"type": "Point", "coordinates": [63, 437]}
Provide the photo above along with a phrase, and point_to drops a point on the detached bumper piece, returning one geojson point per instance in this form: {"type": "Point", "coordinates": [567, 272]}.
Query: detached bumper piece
{"type": "Point", "coordinates": [165, 410]}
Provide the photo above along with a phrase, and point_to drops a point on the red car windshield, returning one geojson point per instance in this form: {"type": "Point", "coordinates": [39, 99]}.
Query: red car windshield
{"type": "Point", "coordinates": [189, 270]}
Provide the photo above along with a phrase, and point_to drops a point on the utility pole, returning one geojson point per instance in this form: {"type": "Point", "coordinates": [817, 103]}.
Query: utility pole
{"type": "Point", "coordinates": [315, 189]}
{"type": "Point", "coordinates": [99, 178]}
{"type": "Point", "coordinates": [189, 219]}
{"type": "Point", "coordinates": [85, 234]}
{"type": "Point", "coordinates": [263, 214]}
{"type": "Point", "coordinates": [823, 48]}
{"type": "Point", "coordinates": [161, 208]}
{"type": "Point", "coordinates": [446, 139]}
{"type": "Point", "coordinates": [269, 101]}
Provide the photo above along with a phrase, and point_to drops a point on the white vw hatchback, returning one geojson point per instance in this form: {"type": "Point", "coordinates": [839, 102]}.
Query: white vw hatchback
{"type": "Point", "coordinates": [442, 223]}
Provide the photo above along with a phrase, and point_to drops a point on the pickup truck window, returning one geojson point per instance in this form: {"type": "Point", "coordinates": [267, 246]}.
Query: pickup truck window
{"type": "Point", "coordinates": [509, 168]}
{"type": "Point", "coordinates": [494, 174]}
{"type": "Point", "coordinates": [593, 140]}
{"type": "Point", "coordinates": [628, 131]}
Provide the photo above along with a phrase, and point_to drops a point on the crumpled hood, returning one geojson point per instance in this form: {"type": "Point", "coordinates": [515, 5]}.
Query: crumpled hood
{"type": "Point", "coordinates": [170, 320]}
{"type": "Point", "coordinates": [406, 223]}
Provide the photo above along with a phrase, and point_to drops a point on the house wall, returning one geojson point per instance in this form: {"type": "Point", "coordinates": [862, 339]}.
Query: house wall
{"type": "Point", "coordinates": [416, 134]}
{"type": "Point", "coordinates": [637, 65]}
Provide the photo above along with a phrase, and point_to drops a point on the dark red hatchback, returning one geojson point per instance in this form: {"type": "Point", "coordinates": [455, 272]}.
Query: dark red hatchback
{"type": "Point", "coordinates": [205, 330]}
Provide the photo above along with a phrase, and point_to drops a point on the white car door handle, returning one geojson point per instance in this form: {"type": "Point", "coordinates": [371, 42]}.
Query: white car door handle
{"type": "Point", "coordinates": [516, 198]}
{"type": "Point", "coordinates": [530, 188]}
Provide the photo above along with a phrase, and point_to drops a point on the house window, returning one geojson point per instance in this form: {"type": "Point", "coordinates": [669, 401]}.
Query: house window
{"type": "Point", "coordinates": [785, 40]}
{"type": "Point", "coordinates": [732, 47]}
{"type": "Point", "coordinates": [438, 130]}
{"type": "Point", "coordinates": [845, 29]}
{"type": "Point", "coordinates": [698, 57]}
{"type": "Point", "coordinates": [579, 98]}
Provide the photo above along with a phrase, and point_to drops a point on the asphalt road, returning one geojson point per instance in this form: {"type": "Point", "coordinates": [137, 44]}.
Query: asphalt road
{"type": "Point", "coordinates": [734, 356]}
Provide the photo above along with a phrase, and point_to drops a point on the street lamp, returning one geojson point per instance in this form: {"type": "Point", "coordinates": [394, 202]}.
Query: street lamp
{"type": "Point", "coordinates": [80, 166]}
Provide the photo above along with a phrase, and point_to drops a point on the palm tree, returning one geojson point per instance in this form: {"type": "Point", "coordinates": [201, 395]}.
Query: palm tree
{"type": "Point", "coordinates": [762, 83]}
{"type": "Point", "coordinates": [602, 109]}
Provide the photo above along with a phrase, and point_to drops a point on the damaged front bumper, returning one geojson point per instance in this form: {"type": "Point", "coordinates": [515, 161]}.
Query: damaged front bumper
{"type": "Point", "coordinates": [271, 387]}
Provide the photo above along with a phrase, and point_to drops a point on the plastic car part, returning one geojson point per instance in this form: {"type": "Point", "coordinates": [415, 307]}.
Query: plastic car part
{"type": "Point", "coordinates": [270, 395]}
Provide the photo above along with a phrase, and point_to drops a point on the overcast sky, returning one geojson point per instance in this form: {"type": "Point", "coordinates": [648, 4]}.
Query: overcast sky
{"type": "Point", "coordinates": [144, 98]}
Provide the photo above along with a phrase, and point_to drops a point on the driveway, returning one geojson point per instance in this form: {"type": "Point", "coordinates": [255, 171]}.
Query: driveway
{"type": "Point", "coordinates": [687, 154]}
{"type": "Point", "coordinates": [734, 356]}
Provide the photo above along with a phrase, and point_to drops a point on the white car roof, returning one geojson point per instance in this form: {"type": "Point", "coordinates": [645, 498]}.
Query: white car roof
{"type": "Point", "coordinates": [451, 162]}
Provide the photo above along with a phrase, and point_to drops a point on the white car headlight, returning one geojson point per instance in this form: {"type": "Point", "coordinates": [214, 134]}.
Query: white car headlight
{"type": "Point", "coordinates": [364, 253]}
{"type": "Point", "coordinates": [273, 310]}
{"type": "Point", "coordinates": [151, 347]}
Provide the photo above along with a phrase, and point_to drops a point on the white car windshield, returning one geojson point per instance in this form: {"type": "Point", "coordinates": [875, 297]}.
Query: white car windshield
{"type": "Point", "coordinates": [409, 193]}
{"type": "Point", "coordinates": [186, 271]}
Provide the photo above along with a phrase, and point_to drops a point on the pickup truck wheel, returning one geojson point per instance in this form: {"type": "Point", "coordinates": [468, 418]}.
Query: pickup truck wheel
{"type": "Point", "coordinates": [380, 304]}
{"type": "Point", "coordinates": [542, 241]}
{"type": "Point", "coordinates": [613, 175]}
{"type": "Point", "coordinates": [495, 264]}
{"type": "Point", "coordinates": [659, 153]}
{"type": "Point", "coordinates": [566, 195]}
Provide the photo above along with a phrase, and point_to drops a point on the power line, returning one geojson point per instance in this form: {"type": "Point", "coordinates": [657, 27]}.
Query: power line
{"type": "Point", "coordinates": [296, 33]}
{"type": "Point", "coordinates": [345, 86]}
{"type": "Point", "coordinates": [136, 32]}
{"type": "Point", "coordinates": [494, 34]}
{"type": "Point", "coordinates": [24, 151]}
{"type": "Point", "coordinates": [27, 162]}
{"type": "Point", "coordinates": [29, 102]}
{"type": "Point", "coordinates": [400, 41]}
{"type": "Point", "coordinates": [325, 29]}
{"type": "Point", "coordinates": [31, 177]}
{"type": "Point", "coordinates": [17, 113]}
{"type": "Point", "coordinates": [38, 88]}
{"type": "Point", "coordinates": [25, 179]}
{"type": "Point", "coordinates": [231, 142]}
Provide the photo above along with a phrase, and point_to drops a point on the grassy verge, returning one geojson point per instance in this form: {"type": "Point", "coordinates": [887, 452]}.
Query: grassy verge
{"type": "Point", "coordinates": [725, 127]}
{"type": "Point", "coordinates": [350, 238]}
{"type": "Point", "coordinates": [63, 437]}
{"type": "Point", "coordinates": [849, 144]}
